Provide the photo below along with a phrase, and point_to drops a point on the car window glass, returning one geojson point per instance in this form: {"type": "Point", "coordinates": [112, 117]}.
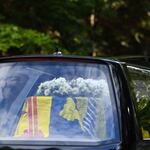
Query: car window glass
{"type": "Point", "coordinates": [60, 101]}
{"type": "Point", "coordinates": [141, 86]}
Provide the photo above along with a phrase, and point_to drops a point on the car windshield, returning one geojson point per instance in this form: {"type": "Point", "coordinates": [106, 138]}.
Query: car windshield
{"type": "Point", "coordinates": [56, 101]}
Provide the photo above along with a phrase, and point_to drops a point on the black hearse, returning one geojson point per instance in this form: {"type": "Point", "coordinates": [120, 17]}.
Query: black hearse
{"type": "Point", "coordinates": [74, 103]}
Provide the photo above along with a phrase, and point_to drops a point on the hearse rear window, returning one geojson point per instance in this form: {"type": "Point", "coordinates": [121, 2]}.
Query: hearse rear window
{"type": "Point", "coordinates": [56, 100]}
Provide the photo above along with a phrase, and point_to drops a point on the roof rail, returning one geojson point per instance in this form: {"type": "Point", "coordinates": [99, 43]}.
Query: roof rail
{"type": "Point", "coordinates": [137, 60]}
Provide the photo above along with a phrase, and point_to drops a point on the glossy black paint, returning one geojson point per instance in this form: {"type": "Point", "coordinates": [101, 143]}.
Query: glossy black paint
{"type": "Point", "coordinates": [130, 135]}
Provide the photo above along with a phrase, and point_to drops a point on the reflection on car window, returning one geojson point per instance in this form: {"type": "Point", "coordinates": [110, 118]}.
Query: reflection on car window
{"type": "Point", "coordinates": [56, 100]}
{"type": "Point", "coordinates": [141, 85]}
{"type": "Point", "coordinates": [11, 86]}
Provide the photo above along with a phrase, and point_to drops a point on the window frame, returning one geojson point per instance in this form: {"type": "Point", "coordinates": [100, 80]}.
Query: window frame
{"type": "Point", "coordinates": [134, 99]}
{"type": "Point", "coordinates": [116, 119]}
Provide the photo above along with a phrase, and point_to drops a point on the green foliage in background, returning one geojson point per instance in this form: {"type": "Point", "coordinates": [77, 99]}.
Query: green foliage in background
{"type": "Point", "coordinates": [17, 40]}
{"type": "Point", "coordinates": [84, 27]}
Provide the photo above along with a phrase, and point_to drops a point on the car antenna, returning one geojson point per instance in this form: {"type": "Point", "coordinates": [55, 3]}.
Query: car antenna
{"type": "Point", "coordinates": [57, 52]}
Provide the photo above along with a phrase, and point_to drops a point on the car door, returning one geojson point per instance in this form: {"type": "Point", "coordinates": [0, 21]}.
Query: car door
{"type": "Point", "coordinates": [140, 85]}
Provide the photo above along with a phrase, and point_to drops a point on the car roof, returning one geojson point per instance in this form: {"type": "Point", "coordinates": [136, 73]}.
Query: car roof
{"type": "Point", "coordinates": [132, 60]}
{"type": "Point", "coordinates": [58, 57]}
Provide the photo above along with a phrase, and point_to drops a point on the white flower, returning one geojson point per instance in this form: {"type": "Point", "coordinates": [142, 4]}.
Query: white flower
{"type": "Point", "coordinates": [79, 86]}
{"type": "Point", "coordinates": [47, 92]}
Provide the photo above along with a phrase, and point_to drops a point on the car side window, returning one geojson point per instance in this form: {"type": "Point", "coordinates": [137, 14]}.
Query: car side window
{"type": "Point", "coordinates": [140, 82]}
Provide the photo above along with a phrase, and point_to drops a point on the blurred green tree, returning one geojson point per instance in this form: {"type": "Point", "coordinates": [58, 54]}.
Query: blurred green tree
{"type": "Point", "coordinates": [15, 40]}
{"type": "Point", "coordinates": [85, 27]}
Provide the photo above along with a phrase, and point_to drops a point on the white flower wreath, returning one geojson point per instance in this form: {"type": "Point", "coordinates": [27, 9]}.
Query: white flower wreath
{"type": "Point", "coordinates": [79, 86]}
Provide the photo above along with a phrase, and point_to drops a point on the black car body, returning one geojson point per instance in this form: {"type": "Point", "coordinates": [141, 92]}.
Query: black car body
{"type": "Point", "coordinates": [74, 103]}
